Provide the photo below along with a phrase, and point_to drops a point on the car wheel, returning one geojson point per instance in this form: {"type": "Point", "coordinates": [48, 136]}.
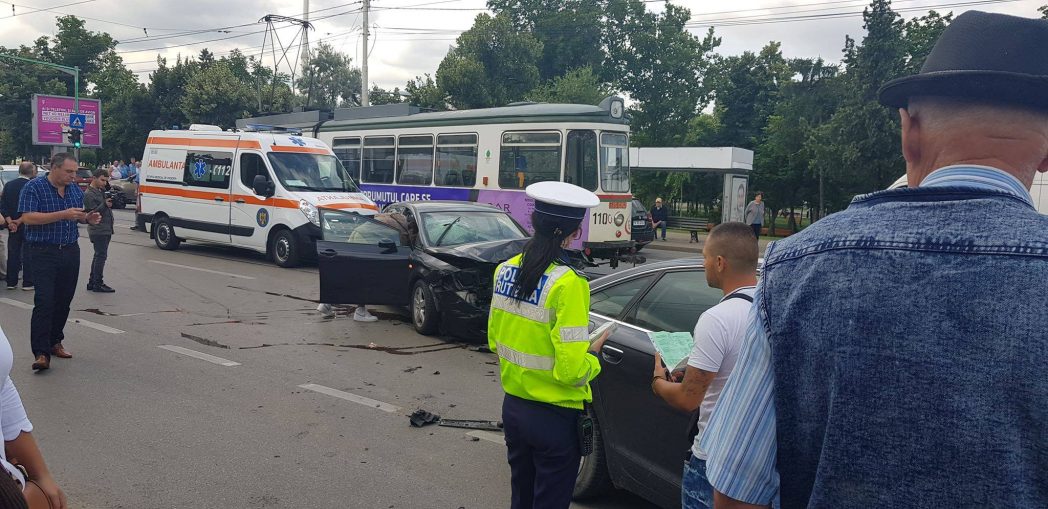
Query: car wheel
{"type": "Point", "coordinates": [424, 309]}
{"type": "Point", "coordinates": [284, 249]}
{"type": "Point", "coordinates": [593, 479]}
{"type": "Point", "coordinates": [164, 234]}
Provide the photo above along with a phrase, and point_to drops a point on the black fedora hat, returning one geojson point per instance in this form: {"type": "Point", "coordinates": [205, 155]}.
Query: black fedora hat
{"type": "Point", "coordinates": [985, 57]}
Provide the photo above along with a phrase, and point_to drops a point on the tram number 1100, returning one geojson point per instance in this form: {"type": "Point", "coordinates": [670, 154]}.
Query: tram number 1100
{"type": "Point", "coordinates": [602, 218]}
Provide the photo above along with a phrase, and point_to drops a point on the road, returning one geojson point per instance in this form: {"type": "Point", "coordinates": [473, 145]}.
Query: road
{"type": "Point", "coordinates": [208, 380]}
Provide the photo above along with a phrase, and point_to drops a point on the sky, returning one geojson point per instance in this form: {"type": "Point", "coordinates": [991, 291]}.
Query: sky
{"type": "Point", "coordinates": [411, 37]}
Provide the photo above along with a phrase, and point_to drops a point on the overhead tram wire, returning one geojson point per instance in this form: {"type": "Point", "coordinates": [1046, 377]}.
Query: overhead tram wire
{"type": "Point", "coordinates": [34, 10]}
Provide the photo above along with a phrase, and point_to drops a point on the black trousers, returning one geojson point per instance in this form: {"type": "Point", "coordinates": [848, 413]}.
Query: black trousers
{"type": "Point", "coordinates": [55, 272]}
{"type": "Point", "coordinates": [17, 261]}
{"type": "Point", "coordinates": [543, 449]}
{"type": "Point", "coordinates": [756, 230]}
{"type": "Point", "coordinates": [98, 263]}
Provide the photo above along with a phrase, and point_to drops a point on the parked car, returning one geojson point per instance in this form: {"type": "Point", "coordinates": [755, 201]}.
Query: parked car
{"type": "Point", "coordinates": [8, 172]}
{"type": "Point", "coordinates": [443, 274]}
{"type": "Point", "coordinates": [642, 232]}
{"type": "Point", "coordinates": [640, 442]}
{"type": "Point", "coordinates": [84, 177]}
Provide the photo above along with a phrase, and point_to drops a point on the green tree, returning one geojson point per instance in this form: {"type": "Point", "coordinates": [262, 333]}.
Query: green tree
{"type": "Point", "coordinates": [167, 87]}
{"type": "Point", "coordinates": [75, 46]}
{"type": "Point", "coordinates": [661, 65]}
{"type": "Point", "coordinates": [569, 30]}
{"type": "Point", "coordinates": [378, 96]}
{"type": "Point", "coordinates": [580, 86]}
{"type": "Point", "coordinates": [330, 80]}
{"type": "Point", "coordinates": [424, 93]}
{"type": "Point", "coordinates": [920, 36]}
{"type": "Point", "coordinates": [215, 96]}
{"type": "Point", "coordinates": [127, 110]}
{"type": "Point", "coordinates": [746, 90]}
{"type": "Point", "coordinates": [492, 64]}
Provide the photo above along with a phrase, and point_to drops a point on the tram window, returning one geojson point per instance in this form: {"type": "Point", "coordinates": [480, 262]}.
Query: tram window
{"type": "Point", "coordinates": [529, 157]}
{"type": "Point", "coordinates": [456, 160]}
{"type": "Point", "coordinates": [580, 164]}
{"type": "Point", "coordinates": [614, 163]}
{"type": "Point", "coordinates": [415, 160]}
{"type": "Point", "coordinates": [347, 150]}
{"type": "Point", "coordinates": [378, 161]}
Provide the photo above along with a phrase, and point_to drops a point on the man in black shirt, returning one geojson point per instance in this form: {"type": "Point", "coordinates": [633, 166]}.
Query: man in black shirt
{"type": "Point", "coordinates": [659, 216]}
{"type": "Point", "coordinates": [9, 209]}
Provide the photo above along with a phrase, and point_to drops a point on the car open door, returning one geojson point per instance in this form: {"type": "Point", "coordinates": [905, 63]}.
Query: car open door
{"type": "Point", "coordinates": [361, 261]}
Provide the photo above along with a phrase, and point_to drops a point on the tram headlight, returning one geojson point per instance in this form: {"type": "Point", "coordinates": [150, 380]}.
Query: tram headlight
{"type": "Point", "coordinates": [620, 219]}
{"type": "Point", "coordinates": [310, 211]}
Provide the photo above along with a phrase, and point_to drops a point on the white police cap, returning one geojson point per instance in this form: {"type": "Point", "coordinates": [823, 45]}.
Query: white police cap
{"type": "Point", "coordinates": [561, 199]}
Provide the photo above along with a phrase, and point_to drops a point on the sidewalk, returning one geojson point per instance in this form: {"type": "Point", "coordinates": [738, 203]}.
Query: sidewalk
{"type": "Point", "coordinates": [677, 240]}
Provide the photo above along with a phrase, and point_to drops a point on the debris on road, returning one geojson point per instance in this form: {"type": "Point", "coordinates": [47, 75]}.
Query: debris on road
{"type": "Point", "coordinates": [412, 370]}
{"type": "Point", "coordinates": [420, 418]}
{"type": "Point", "coordinates": [471, 424]}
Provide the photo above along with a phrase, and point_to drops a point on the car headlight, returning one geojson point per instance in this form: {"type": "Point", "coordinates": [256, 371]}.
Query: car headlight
{"type": "Point", "coordinates": [310, 211]}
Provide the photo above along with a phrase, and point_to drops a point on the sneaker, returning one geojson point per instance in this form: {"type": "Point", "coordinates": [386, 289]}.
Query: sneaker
{"type": "Point", "coordinates": [12, 287]}
{"type": "Point", "coordinates": [362, 315]}
{"type": "Point", "coordinates": [90, 287]}
{"type": "Point", "coordinates": [29, 288]}
{"type": "Point", "coordinates": [104, 288]}
{"type": "Point", "coordinates": [326, 310]}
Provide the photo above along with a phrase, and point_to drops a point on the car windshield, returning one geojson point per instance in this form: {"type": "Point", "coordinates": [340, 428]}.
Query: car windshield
{"type": "Point", "coordinates": [454, 228]}
{"type": "Point", "coordinates": [84, 174]}
{"type": "Point", "coordinates": [311, 172]}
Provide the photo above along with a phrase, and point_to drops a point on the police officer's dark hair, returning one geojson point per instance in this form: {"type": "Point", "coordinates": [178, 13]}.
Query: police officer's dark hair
{"type": "Point", "coordinates": [59, 159]}
{"type": "Point", "coordinates": [540, 251]}
{"type": "Point", "coordinates": [736, 243]}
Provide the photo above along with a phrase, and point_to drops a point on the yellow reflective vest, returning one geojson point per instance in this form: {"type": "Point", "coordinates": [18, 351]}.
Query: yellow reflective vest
{"type": "Point", "coordinates": [542, 342]}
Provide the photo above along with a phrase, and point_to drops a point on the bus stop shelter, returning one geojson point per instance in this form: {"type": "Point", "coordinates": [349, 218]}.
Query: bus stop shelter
{"type": "Point", "coordinates": [732, 162]}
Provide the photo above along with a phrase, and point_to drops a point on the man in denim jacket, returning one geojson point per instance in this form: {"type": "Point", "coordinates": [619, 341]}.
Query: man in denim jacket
{"type": "Point", "coordinates": [896, 352]}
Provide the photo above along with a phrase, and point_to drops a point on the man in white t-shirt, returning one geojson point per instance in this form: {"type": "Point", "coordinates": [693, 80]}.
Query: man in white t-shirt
{"type": "Point", "coordinates": [730, 258]}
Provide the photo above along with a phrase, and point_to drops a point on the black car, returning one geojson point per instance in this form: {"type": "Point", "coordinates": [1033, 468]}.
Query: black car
{"type": "Point", "coordinates": [640, 441]}
{"type": "Point", "coordinates": [440, 263]}
{"type": "Point", "coordinates": [642, 232]}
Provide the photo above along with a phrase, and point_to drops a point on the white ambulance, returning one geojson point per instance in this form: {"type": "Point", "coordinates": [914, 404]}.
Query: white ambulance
{"type": "Point", "coordinates": [254, 189]}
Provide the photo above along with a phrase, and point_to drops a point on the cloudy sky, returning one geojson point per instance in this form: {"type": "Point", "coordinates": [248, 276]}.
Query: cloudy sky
{"type": "Point", "coordinates": [410, 37]}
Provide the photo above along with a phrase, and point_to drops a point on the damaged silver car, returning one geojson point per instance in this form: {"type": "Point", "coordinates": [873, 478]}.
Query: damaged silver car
{"type": "Point", "coordinates": [437, 258]}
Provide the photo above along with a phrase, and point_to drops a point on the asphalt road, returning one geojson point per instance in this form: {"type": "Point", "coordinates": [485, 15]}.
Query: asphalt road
{"type": "Point", "coordinates": [209, 381]}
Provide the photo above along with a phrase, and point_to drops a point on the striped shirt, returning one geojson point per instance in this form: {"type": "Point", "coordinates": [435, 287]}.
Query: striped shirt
{"type": "Point", "coordinates": [39, 195]}
{"type": "Point", "coordinates": [740, 438]}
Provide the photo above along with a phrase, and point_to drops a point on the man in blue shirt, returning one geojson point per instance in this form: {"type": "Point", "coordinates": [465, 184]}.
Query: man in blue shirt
{"type": "Point", "coordinates": [51, 207]}
{"type": "Point", "coordinates": [895, 353]}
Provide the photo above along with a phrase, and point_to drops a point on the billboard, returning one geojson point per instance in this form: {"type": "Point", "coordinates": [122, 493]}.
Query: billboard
{"type": "Point", "coordinates": [51, 120]}
{"type": "Point", "coordinates": [734, 203]}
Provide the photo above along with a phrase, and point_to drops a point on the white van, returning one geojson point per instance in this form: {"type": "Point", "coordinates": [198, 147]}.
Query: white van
{"type": "Point", "coordinates": [1039, 190]}
{"type": "Point", "coordinates": [251, 189]}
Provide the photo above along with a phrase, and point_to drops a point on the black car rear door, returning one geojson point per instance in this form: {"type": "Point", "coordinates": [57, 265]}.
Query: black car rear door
{"type": "Point", "coordinates": [361, 261]}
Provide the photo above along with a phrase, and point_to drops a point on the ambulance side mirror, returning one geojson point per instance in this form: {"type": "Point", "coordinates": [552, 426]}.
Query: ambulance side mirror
{"type": "Point", "coordinates": [262, 186]}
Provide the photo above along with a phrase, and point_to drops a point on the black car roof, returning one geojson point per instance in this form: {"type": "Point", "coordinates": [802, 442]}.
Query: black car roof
{"type": "Point", "coordinates": [661, 266]}
{"type": "Point", "coordinates": [447, 205]}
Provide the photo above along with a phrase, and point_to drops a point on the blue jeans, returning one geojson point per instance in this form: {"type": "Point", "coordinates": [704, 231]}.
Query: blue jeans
{"type": "Point", "coordinates": [662, 226]}
{"type": "Point", "coordinates": [695, 491]}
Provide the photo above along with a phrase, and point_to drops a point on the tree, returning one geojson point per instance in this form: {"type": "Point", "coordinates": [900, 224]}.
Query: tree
{"type": "Point", "coordinates": [379, 96]}
{"type": "Point", "coordinates": [660, 65]}
{"type": "Point", "coordinates": [920, 36]}
{"type": "Point", "coordinates": [581, 86]}
{"type": "Point", "coordinates": [127, 111]}
{"type": "Point", "coordinates": [569, 30]}
{"type": "Point", "coordinates": [167, 86]}
{"type": "Point", "coordinates": [424, 93]}
{"type": "Point", "coordinates": [330, 80]}
{"type": "Point", "coordinates": [215, 96]}
{"type": "Point", "coordinates": [746, 91]}
{"type": "Point", "coordinates": [492, 64]}
{"type": "Point", "coordinates": [75, 46]}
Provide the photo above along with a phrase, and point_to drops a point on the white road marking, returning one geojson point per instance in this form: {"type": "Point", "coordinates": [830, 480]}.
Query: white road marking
{"type": "Point", "coordinates": [199, 355]}
{"type": "Point", "coordinates": [96, 326]}
{"type": "Point", "coordinates": [385, 407]}
{"type": "Point", "coordinates": [209, 271]}
{"type": "Point", "coordinates": [16, 303]}
{"type": "Point", "coordinates": [489, 436]}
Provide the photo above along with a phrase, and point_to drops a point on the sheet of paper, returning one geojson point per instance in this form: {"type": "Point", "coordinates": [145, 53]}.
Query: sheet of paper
{"type": "Point", "coordinates": [674, 346]}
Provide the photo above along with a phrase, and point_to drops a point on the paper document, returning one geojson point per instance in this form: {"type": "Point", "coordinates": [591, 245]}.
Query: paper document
{"type": "Point", "coordinates": [673, 346]}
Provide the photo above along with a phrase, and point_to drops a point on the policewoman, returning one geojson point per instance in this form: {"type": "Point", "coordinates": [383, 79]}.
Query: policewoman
{"type": "Point", "coordinates": [538, 328]}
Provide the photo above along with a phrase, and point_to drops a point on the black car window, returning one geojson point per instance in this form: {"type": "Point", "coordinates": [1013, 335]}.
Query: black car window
{"type": "Point", "coordinates": [675, 302]}
{"type": "Point", "coordinates": [612, 300]}
{"type": "Point", "coordinates": [353, 228]}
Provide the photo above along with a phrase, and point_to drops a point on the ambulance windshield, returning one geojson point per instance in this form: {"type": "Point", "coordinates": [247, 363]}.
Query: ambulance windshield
{"type": "Point", "coordinates": [311, 172]}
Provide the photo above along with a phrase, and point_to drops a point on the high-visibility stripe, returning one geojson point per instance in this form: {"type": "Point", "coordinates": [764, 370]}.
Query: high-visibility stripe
{"type": "Point", "coordinates": [573, 334]}
{"type": "Point", "coordinates": [585, 378]}
{"type": "Point", "coordinates": [283, 203]}
{"type": "Point", "coordinates": [553, 276]}
{"type": "Point", "coordinates": [521, 308]}
{"type": "Point", "coordinates": [301, 150]}
{"type": "Point", "coordinates": [525, 360]}
{"type": "Point", "coordinates": [185, 193]}
{"type": "Point", "coordinates": [232, 143]}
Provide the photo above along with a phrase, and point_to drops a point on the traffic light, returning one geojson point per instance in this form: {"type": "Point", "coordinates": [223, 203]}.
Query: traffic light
{"type": "Point", "coordinates": [74, 137]}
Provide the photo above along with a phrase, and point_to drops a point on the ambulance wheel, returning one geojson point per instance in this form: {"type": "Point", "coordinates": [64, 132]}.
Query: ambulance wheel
{"type": "Point", "coordinates": [593, 479]}
{"type": "Point", "coordinates": [284, 248]}
{"type": "Point", "coordinates": [424, 309]}
{"type": "Point", "coordinates": [164, 234]}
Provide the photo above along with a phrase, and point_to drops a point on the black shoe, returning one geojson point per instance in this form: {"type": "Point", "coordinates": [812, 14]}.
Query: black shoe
{"type": "Point", "coordinates": [103, 288]}
{"type": "Point", "coordinates": [91, 287]}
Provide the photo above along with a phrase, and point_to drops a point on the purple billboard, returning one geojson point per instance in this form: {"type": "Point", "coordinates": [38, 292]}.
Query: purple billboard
{"type": "Point", "coordinates": [51, 120]}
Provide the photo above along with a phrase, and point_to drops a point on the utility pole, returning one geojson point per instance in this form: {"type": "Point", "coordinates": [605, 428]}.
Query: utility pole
{"type": "Point", "coordinates": [364, 59]}
{"type": "Point", "coordinates": [305, 36]}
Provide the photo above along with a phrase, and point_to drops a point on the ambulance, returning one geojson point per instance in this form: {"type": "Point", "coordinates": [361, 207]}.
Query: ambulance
{"type": "Point", "coordinates": [255, 188]}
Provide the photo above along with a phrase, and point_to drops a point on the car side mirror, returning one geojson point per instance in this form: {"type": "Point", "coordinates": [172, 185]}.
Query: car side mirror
{"type": "Point", "coordinates": [262, 186]}
{"type": "Point", "coordinates": [388, 246]}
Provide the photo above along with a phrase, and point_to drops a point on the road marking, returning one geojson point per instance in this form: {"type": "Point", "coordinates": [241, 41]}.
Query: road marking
{"type": "Point", "coordinates": [199, 355]}
{"type": "Point", "coordinates": [209, 271]}
{"type": "Point", "coordinates": [489, 436]}
{"type": "Point", "coordinates": [16, 303]}
{"type": "Point", "coordinates": [96, 326]}
{"type": "Point", "coordinates": [385, 407]}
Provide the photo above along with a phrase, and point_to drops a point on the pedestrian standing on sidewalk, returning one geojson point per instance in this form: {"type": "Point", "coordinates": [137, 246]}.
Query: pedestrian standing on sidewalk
{"type": "Point", "coordinates": [95, 200]}
{"type": "Point", "coordinates": [659, 216]}
{"type": "Point", "coordinates": [755, 214]}
{"type": "Point", "coordinates": [51, 207]}
{"type": "Point", "coordinates": [16, 260]}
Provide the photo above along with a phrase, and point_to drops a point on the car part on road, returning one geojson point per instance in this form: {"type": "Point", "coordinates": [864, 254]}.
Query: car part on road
{"type": "Point", "coordinates": [164, 234]}
{"type": "Point", "coordinates": [471, 424]}
{"type": "Point", "coordinates": [420, 418]}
